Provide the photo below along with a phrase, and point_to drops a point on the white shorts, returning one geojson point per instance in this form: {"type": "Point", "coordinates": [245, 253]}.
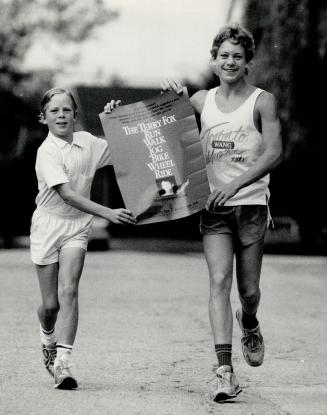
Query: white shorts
{"type": "Point", "coordinates": [51, 233]}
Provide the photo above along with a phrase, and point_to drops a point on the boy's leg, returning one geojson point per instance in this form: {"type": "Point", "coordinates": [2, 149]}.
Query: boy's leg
{"type": "Point", "coordinates": [218, 251]}
{"type": "Point", "coordinates": [71, 262]}
{"type": "Point", "coordinates": [248, 270]}
{"type": "Point", "coordinates": [48, 281]}
{"type": "Point", "coordinates": [48, 311]}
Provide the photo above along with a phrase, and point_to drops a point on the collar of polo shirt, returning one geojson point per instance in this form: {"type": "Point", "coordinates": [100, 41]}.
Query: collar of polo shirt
{"type": "Point", "coordinates": [77, 140]}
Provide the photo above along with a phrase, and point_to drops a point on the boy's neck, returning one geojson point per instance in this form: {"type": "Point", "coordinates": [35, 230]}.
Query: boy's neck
{"type": "Point", "coordinates": [237, 88]}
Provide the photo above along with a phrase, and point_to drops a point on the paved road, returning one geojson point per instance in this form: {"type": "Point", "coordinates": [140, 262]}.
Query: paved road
{"type": "Point", "coordinates": [144, 344]}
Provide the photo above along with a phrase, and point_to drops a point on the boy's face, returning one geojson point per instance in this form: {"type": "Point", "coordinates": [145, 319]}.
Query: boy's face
{"type": "Point", "coordinates": [166, 185]}
{"type": "Point", "coordinates": [60, 116]}
{"type": "Point", "coordinates": [230, 62]}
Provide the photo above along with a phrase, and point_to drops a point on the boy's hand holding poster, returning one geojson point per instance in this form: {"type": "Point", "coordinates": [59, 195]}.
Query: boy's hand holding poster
{"type": "Point", "coordinates": [158, 158]}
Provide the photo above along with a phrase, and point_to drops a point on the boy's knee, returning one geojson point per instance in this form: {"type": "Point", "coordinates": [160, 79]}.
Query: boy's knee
{"type": "Point", "coordinates": [68, 293]}
{"type": "Point", "coordinates": [250, 296]}
{"type": "Point", "coordinates": [51, 308]}
{"type": "Point", "coordinates": [220, 282]}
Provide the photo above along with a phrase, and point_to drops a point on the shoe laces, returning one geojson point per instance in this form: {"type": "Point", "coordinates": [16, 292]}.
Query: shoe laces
{"type": "Point", "coordinates": [50, 354]}
{"type": "Point", "coordinates": [253, 341]}
{"type": "Point", "coordinates": [222, 379]}
{"type": "Point", "coordinates": [212, 379]}
{"type": "Point", "coordinates": [65, 365]}
{"type": "Point", "coordinates": [220, 374]}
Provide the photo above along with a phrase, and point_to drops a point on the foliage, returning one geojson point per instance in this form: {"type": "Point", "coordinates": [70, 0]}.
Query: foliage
{"type": "Point", "coordinates": [291, 39]}
{"type": "Point", "coordinates": [285, 32]}
{"type": "Point", "coordinates": [21, 21]}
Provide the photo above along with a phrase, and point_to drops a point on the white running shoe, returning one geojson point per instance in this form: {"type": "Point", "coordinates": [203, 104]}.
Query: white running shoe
{"type": "Point", "coordinates": [62, 375]}
{"type": "Point", "coordinates": [228, 386]}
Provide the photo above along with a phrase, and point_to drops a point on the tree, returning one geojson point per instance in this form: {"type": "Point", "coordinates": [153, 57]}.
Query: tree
{"type": "Point", "coordinates": [21, 21]}
{"type": "Point", "coordinates": [291, 40]}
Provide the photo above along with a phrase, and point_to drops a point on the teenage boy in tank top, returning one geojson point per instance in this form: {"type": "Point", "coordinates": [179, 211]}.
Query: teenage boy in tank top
{"type": "Point", "coordinates": [240, 135]}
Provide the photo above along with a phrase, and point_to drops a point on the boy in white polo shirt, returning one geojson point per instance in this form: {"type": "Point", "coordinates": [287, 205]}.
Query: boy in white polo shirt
{"type": "Point", "coordinates": [65, 167]}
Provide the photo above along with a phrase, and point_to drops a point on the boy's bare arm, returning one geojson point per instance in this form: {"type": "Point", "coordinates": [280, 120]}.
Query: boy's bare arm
{"type": "Point", "coordinates": [197, 100]}
{"type": "Point", "coordinates": [72, 198]}
{"type": "Point", "coordinates": [271, 136]}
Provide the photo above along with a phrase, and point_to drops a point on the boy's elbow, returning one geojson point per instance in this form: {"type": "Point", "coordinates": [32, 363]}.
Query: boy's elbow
{"type": "Point", "coordinates": [69, 198]}
{"type": "Point", "coordinates": [275, 156]}
{"type": "Point", "coordinates": [66, 194]}
{"type": "Point", "coordinates": [279, 157]}
{"type": "Point", "coordinates": [66, 197]}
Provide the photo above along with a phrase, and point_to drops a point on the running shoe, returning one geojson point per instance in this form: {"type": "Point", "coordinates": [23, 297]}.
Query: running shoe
{"type": "Point", "coordinates": [49, 356]}
{"type": "Point", "coordinates": [228, 386]}
{"type": "Point", "coordinates": [253, 346]}
{"type": "Point", "coordinates": [62, 375]}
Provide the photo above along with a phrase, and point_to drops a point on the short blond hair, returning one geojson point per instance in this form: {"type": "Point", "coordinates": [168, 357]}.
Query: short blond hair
{"type": "Point", "coordinates": [55, 91]}
{"type": "Point", "coordinates": [236, 34]}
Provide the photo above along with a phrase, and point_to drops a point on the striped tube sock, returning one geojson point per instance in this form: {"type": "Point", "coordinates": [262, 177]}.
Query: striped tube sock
{"type": "Point", "coordinates": [224, 354]}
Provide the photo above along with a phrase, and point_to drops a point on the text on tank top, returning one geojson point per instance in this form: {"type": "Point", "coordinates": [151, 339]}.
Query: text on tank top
{"type": "Point", "coordinates": [231, 145]}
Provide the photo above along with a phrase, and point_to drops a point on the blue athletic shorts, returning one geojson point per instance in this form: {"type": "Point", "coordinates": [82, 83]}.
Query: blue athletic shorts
{"type": "Point", "coordinates": [247, 223]}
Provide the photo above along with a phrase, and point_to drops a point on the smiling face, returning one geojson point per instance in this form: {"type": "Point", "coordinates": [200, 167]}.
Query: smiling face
{"type": "Point", "coordinates": [167, 186]}
{"type": "Point", "coordinates": [230, 64]}
{"type": "Point", "coordinates": [60, 116]}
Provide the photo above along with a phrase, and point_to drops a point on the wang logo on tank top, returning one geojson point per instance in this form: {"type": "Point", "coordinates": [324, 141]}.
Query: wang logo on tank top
{"type": "Point", "coordinates": [222, 143]}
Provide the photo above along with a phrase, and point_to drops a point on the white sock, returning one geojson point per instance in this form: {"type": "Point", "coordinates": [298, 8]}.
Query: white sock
{"type": "Point", "coordinates": [64, 352]}
{"type": "Point", "coordinates": [47, 337]}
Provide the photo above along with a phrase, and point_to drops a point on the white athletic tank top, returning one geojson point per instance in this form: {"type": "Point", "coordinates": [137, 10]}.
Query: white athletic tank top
{"type": "Point", "coordinates": [231, 145]}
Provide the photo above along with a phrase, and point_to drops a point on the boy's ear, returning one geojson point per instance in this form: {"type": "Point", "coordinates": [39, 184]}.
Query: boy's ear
{"type": "Point", "coordinates": [42, 120]}
{"type": "Point", "coordinates": [212, 63]}
{"type": "Point", "coordinates": [248, 67]}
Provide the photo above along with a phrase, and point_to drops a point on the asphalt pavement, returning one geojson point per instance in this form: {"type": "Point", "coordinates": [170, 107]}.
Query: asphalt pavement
{"type": "Point", "coordinates": [144, 344]}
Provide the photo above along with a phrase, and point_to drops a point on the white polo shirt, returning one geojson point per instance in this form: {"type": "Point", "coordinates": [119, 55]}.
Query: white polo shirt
{"type": "Point", "coordinates": [59, 162]}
